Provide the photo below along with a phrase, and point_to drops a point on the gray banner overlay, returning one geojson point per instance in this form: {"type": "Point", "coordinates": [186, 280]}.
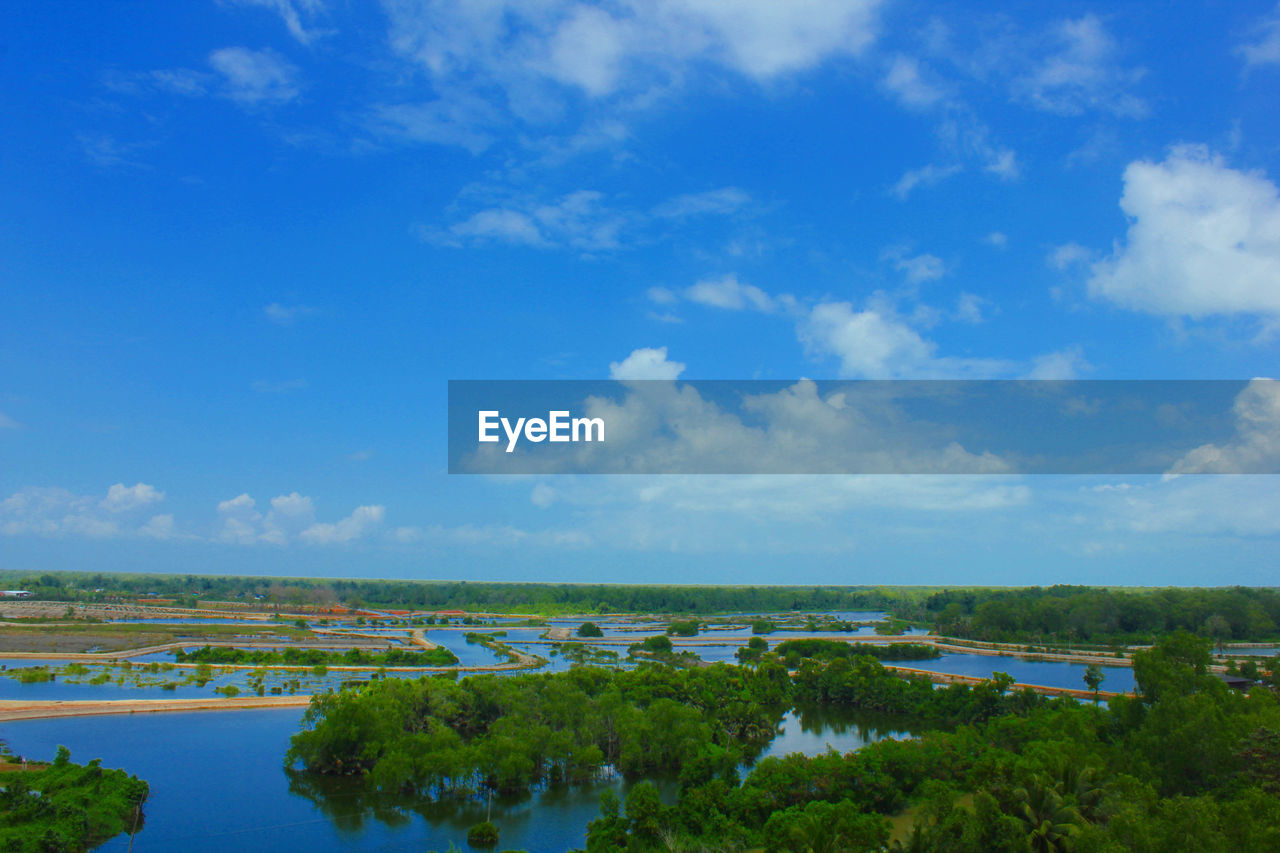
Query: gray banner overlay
{"type": "Point", "coordinates": [864, 427]}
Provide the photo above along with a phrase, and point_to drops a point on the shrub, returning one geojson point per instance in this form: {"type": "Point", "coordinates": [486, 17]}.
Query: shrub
{"type": "Point", "coordinates": [483, 834]}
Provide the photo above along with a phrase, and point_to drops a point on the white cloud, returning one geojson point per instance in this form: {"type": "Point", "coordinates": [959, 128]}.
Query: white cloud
{"type": "Point", "coordinates": [868, 343]}
{"type": "Point", "coordinates": [287, 315]}
{"type": "Point", "coordinates": [237, 506]}
{"type": "Point", "coordinates": [729, 293]}
{"type": "Point", "coordinates": [997, 238]}
{"type": "Point", "coordinates": [361, 521]}
{"type": "Point", "coordinates": [629, 47]}
{"type": "Point", "coordinates": [542, 496]}
{"type": "Point", "coordinates": [1063, 364]}
{"type": "Point", "coordinates": [916, 269]}
{"type": "Point", "coordinates": [579, 220]}
{"type": "Point", "coordinates": [1068, 255]}
{"type": "Point", "coordinates": [721, 202]}
{"type": "Point", "coordinates": [1203, 239]}
{"type": "Point", "coordinates": [1077, 69]}
{"type": "Point", "coordinates": [50, 511]}
{"type": "Point", "coordinates": [7, 422]}
{"type": "Point", "coordinates": [291, 518]}
{"type": "Point", "coordinates": [1235, 505]}
{"type": "Point", "coordinates": [122, 498]}
{"type": "Point", "coordinates": [1265, 50]}
{"type": "Point", "coordinates": [662, 296]}
{"type": "Point", "coordinates": [926, 176]}
{"type": "Point", "coordinates": [584, 220]}
{"type": "Point", "coordinates": [255, 76]}
{"type": "Point", "coordinates": [906, 83]}
{"type": "Point", "coordinates": [1255, 448]}
{"type": "Point", "coordinates": [294, 14]}
{"type": "Point", "coordinates": [646, 363]}
{"type": "Point", "coordinates": [969, 308]}
{"type": "Point", "coordinates": [159, 527]}
{"type": "Point", "coordinates": [497, 225]}
{"type": "Point", "coordinates": [109, 152]}
{"type": "Point", "coordinates": [459, 119]}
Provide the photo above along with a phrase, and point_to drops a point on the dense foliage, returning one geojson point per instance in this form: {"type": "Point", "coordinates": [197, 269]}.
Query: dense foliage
{"type": "Point", "coordinates": [832, 649]}
{"type": "Point", "coordinates": [439, 656]}
{"type": "Point", "coordinates": [1023, 774]}
{"type": "Point", "coordinates": [67, 807]}
{"type": "Point", "coordinates": [1086, 614]}
{"type": "Point", "coordinates": [441, 737]}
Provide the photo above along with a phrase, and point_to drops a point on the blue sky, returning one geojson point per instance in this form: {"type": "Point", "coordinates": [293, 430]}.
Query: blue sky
{"type": "Point", "coordinates": [244, 244]}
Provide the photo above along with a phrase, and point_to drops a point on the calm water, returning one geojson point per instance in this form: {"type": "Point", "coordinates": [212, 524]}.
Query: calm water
{"type": "Point", "coordinates": [1047, 673]}
{"type": "Point", "coordinates": [217, 784]}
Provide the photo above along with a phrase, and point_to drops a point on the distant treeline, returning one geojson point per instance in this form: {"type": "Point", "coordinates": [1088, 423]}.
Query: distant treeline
{"type": "Point", "coordinates": [438, 656]}
{"type": "Point", "coordinates": [1090, 614]}
{"type": "Point", "coordinates": [455, 595]}
{"type": "Point", "coordinates": [1028, 614]}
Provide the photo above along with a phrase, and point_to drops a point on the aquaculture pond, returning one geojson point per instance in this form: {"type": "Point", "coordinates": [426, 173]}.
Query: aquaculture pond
{"type": "Point", "coordinates": [246, 802]}
{"type": "Point", "coordinates": [1046, 673]}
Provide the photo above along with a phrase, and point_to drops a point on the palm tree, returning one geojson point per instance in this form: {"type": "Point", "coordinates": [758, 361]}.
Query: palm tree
{"type": "Point", "coordinates": [1051, 823]}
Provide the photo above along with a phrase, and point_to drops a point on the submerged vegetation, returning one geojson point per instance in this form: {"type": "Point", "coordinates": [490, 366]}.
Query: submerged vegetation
{"type": "Point", "coordinates": [994, 770]}
{"type": "Point", "coordinates": [439, 656]}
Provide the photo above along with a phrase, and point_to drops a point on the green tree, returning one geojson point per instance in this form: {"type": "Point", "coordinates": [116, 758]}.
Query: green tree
{"type": "Point", "coordinates": [1093, 678]}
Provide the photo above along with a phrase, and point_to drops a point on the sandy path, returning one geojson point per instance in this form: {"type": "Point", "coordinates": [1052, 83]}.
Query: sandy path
{"type": "Point", "coordinates": [19, 709]}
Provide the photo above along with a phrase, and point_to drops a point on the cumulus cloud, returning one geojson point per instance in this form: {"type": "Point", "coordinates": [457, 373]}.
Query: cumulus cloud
{"type": "Point", "coordinates": [51, 511]}
{"type": "Point", "coordinates": [159, 527]}
{"type": "Point", "coordinates": [360, 522]}
{"type": "Point", "coordinates": [646, 363]}
{"type": "Point", "coordinates": [1255, 447]}
{"type": "Point", "coordinates": [1203, 239]}
{"type": "Point", "coordinates": [729, 293]}
{"type": "Point", "coordinates": [873, 342]}
{"type": "Point", "coordinates": [255, 76]}
{"type": "Point", "coordinates": [122, 498]}
{"type": "Point", "coordinates": [291, 518]}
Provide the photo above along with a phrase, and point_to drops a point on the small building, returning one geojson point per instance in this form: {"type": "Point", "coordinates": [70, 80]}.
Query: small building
{"type": "Point", "coordinates": [1235, 682]}
{"type": "Point", "coordinates": [15, 593]}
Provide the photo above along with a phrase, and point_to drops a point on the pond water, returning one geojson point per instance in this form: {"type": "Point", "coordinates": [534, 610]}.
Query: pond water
{"type": "Point", "coordinates": [217, 783]}
{"type": "Point", "coordinates": [1046, 673]}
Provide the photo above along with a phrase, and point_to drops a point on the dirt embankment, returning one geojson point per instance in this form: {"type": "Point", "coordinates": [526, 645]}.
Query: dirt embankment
{"type": "Point", "coordinates": [16, 709]}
